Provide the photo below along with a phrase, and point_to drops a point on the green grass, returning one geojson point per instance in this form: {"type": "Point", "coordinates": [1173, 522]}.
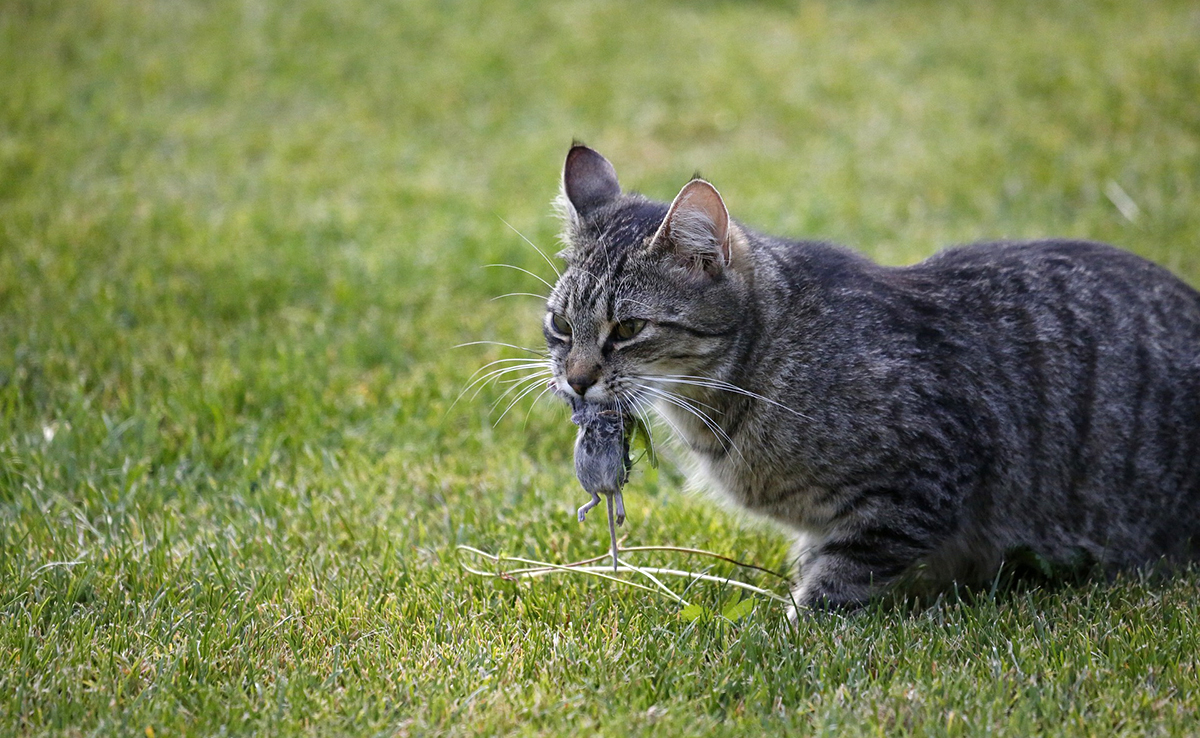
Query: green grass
{"type": "Point", "coordinates": [238, 241]}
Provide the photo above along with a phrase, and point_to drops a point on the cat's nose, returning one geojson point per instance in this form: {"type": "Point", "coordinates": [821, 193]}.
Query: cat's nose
{"type": "Point", "coordinates": [582, 372]}
{"type": "Point", "coordinates": [581, 383]}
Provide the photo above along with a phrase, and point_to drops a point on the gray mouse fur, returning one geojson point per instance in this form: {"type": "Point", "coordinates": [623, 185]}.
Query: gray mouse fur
{"type": "Point", "coordinates": [601, 454]}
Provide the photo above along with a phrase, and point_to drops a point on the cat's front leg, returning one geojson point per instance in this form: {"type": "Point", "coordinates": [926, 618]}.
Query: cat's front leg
{"type": "Point", "coordinates": [849, 568]}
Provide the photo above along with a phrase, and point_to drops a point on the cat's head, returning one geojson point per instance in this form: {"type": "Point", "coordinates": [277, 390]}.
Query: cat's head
{"type": "Point", "coordinates": [651, 292]}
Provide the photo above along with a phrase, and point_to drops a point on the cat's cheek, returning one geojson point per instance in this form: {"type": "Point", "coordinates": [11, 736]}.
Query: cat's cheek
{"type": "Point", "coordinates": [667, 367]}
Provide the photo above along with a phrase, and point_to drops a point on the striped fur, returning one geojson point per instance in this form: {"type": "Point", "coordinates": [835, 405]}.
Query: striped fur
{"type": "Point", "coordinates": [909, 424]}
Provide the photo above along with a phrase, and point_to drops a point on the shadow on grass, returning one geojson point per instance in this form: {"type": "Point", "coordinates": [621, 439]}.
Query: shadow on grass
{"type": "Point", "coordinates": [1026, 574]}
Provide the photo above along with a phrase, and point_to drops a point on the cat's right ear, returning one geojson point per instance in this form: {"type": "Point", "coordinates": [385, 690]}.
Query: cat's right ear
{"type": "Point", "coordinates": [696, 229]}
{"type": "Point", "coordinates": [589, 180]}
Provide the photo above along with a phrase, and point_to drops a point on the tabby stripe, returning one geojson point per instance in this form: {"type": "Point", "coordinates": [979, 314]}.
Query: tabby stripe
{"type": "Point", "coordinates": [616, 275]}
{"type": "Point", "coordinates": [1086, 357]}
{"type": "Point", "coordinates": [885, 551]}
{"type": "Point", "coordinates": [1168, 437]}
{"type": "Point", "coordinates": [1134, 306]}
{"type": "Point", "coordinates": [1190, 416]}
{"type": "Point", "coordinates": [1085, 407]}
{"type": "Point", "coordinates": [1035, 372]}
{"type": "Point", "coordinates": [587, 295]}
{"type": "Point", "coordinates": [862, 494]}
{"type": "Point", "coordinates": [696, 331]}
{"type": "Point", "coordinates": [1170, 462]}
{"type": "Point", "coordinates": [1134, 444]}
{"type": "Point", "coordinates": [736, 412]}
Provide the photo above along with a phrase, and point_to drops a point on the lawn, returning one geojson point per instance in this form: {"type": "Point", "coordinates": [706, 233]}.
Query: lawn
{"type": "Point", "coordinates": [239, 242]}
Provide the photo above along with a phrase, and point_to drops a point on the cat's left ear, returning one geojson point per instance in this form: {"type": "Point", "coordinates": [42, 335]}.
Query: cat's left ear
{"type": "Point", "coordinates": [697, 229]}
{"type": "Point", "coordinates": [589, 180]}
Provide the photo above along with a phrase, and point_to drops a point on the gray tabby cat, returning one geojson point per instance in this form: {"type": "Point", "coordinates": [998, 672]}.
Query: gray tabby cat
{"type": "Point", "coordinates": [908, 424]}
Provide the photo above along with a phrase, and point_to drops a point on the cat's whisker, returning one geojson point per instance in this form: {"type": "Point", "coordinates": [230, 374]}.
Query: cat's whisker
{"type": "Point", "coordinates": [549, 386]}
{"type": "Point", "coordinates": [663, 416]}
{"type": "Point", "coordinates": [686, 405]}
{"type": "Point", "coordinates": [535, 352]}
{"type": "Point", "coordinates": [629, 400]}
{"type": "Point", "coordinates": [514, 367]}
{"type": "Point", "coordinates": [518, 385]}
{"type": "Point", "coordinates": [717, 431]}
{"type": "Point", "coordinates": [483, 380]}
{"type": "Point", "coordinates": [651, 378]}
{"type": "Point", "coordinates": [532, 244]}
{"type": "Point", "coordinates": [525, 359]}
{"type": "Point", "coordinates": [689, 405]}
{"type": "Point", "coordinates": [513, 380]}
{"type": "Point", "coordinates": [519, 294]}
{"type": "Point", "coordinates": [479, 390]}
{"type": "Point", "coordinates": [528, 365]}
{"type": "Point", "coordinates": [623, 405]}
{"type": "Point", "coordinates": [645, 404]}
{"type": "Point", "coordinates": [516, 399]}
{"type": "Point", "coordinates": [648, 425]}
{"type": "Point", "coordinates": [519, 380]}
{"type": "Point", "coordinates": [640, 409]}
{"type": "Point", "coordinates": [629, 405]}
{"type": "Point", "coordinates": [520, 269]}
{"type": "Point", "coordinates": [472, 381]}
{"type": "Point", "coordinates": [717, 384]}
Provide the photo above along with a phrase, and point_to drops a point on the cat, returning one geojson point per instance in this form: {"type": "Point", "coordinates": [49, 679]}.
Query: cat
{"type": "Point", "coordinates": [909, 425]}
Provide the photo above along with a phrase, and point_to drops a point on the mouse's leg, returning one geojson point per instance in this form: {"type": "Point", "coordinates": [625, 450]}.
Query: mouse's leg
{"type": "Point", "coordinates": [583, 511]}
{"type": "Point", "coordinates": [620, 507]}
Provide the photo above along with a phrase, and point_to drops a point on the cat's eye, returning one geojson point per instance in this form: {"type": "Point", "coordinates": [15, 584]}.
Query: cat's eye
{"type": "Point", "coordinates": [561, 324]}
{"type": "Point", "coordinates": [627, 329]}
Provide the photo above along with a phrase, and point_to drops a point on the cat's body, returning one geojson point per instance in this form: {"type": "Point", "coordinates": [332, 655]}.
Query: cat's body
{"type": "Point", "coordinates": [914, 422]}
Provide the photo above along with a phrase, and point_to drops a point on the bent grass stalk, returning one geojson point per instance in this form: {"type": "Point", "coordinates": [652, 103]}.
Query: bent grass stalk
{"type": "Point", "coordinates": [587, 566]}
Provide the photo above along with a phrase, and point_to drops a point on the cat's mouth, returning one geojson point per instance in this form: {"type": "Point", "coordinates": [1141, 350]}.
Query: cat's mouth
{"type": "Point", "coordinates": [597, 392]}
{"type": "Point", "coordinates": [631, 397]}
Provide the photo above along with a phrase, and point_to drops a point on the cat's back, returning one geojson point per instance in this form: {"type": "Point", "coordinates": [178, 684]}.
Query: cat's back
{"type": "Point", "coordinates": [1082, 261]}
{"type": "Point", "coordinates": [1085, 361]}
{"type": "Point", "coordinates": [1061, 288]}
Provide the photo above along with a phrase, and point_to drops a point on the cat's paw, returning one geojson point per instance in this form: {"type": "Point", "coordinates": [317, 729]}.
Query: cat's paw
{"type": "Point", "coordinates": [822, 607]}
{"type": "Point", "coordinates": [820, 589]}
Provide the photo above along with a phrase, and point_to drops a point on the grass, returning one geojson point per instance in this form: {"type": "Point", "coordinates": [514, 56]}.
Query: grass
{"type": "Point", "coordinates": [238, 239]}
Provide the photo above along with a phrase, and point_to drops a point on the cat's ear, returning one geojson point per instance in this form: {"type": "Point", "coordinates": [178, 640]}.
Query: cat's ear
{"type": "Point", "coordinates": [697, 228]}
{"type": "Point", "coordinates": [589, 180]}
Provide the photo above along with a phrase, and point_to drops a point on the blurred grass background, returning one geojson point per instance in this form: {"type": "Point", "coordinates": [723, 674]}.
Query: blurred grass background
{"type": "Point", "coordinates": [239, 239]}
